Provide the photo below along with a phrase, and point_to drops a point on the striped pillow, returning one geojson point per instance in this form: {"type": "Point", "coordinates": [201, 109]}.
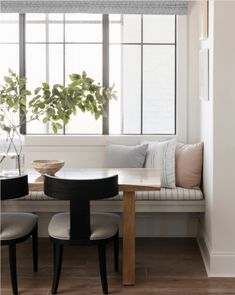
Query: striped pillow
{"type": "Point", "coordinates": [161, 155]}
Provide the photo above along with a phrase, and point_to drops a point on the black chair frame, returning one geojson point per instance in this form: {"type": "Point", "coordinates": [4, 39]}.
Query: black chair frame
{"type": "Point", "coordinates": [80, 193]}
{"type": "Point", "coordinates": [12, 188]}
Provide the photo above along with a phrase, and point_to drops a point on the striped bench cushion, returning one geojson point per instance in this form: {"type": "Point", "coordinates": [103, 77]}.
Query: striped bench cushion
{"type": "Point", "coordinates": [165, 194]}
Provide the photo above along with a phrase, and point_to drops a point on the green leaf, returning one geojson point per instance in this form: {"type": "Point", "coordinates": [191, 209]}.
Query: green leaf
{"type": "Point", "coordinates": [37, 90]}
{"type": "Point", "coordinates": [46, 86]}
{"type": "Point", "coordinates": [23, 100]}
{"type": "Point", "coordinates": [59, 126]}
{"type": "Point", "coordinates": [54, 127]}
{"type": "Point", "coordinates": [45, 120]}
{"type": "Point", "coordinates": [41, 105]}
{"type": "Point", "coordinates": [97, 115]}
{"type": "Point", "coordinates": [84, 75]}
{"type": "Point", "coordinates": [6, 128]}
{"type": "Point", "coordinates": [74, 77]}
{"type": "Point", "coordinates": [27, 92]}
{"type": "Point", "coordinates": [7, 79]}
{"type": "Point", "coordinates": [50, 112]}
{"type": "Point", "coordinates": [65, 120]}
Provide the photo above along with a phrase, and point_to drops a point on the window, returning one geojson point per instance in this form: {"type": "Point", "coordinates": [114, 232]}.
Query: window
{"type": "Point", "coordinates": [9, 43]}
{"type": "Point", "coordinates": [135, 52]}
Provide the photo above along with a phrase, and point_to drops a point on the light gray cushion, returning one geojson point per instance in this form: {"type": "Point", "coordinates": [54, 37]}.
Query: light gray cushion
{"type": "Point", "coordinates": [103, 226]}
{"type": "Point", "coordinates": [125, 156]}
{"type": "Point", "coordinates": [15, 225]}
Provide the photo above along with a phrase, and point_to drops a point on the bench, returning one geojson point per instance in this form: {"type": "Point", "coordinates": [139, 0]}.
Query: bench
{"type": "Point", "coordinates": [165, 200]}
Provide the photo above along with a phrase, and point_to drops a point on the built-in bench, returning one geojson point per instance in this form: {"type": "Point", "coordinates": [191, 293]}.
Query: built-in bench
{"type": "Point", "coordinates": [165, 200]}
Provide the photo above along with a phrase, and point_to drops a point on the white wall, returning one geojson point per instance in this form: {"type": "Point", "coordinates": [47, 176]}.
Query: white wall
{"type": "Point", "coordinates": [193, 122]}
{"type": "Point", "coordinates": [217, 132]}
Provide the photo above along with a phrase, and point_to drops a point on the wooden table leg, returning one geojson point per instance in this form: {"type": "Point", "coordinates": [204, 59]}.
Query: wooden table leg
{"type": "Point", "coordinates": [128, 238]}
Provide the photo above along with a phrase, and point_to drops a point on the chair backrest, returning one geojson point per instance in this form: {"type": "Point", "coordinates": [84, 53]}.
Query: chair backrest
{"type": "Point", "coordinates": [16, 187]}
{"type": "Point", "coordinates": [80, 192]}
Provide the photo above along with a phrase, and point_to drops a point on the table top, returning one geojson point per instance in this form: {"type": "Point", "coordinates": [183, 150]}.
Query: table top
{"type": "Point", "coordinates": [129, 179]}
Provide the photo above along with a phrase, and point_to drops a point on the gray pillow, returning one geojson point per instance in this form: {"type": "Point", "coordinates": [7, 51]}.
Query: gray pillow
{"type": "Point", "coordinates": [125, 156]}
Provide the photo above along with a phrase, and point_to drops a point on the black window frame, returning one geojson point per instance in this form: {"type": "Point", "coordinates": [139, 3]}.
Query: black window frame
{"type": "Point", "coordinates": [105, 72]}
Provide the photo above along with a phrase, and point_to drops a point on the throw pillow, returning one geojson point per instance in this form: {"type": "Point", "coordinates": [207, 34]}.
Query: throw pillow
{"type": "Point", "coordinates": [124, 156]}
{"type": "Point", "coordinates": [161, 155]}
{"type": "Point", "coordinates": [188, 165]}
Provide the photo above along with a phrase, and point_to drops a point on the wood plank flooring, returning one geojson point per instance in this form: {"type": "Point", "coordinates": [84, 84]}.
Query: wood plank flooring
{"type": "Point", "coordinates": [164, 267]}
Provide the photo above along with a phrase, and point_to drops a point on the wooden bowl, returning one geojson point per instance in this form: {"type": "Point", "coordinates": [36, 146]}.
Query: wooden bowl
{"type": "Point", "coordinates": [49, 167]}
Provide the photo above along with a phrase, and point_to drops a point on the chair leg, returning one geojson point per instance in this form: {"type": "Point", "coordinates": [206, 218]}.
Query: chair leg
{"type": "Point", "coordinates": [12, 260]}
{"type": "Point", "coordinates": [54, 257]}
{"type": "Point", "coordinates": [35, 248]}
{"type": "Point", "coordinates": [57, 269]}
{"type": "Point", "coordinates": [116, 252]}
{"type": "Point", "coordinates": [102, 264]}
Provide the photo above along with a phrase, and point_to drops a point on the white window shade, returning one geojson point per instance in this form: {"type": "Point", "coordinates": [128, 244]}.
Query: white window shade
{"type": "Point", "coordinates": [98, 6]}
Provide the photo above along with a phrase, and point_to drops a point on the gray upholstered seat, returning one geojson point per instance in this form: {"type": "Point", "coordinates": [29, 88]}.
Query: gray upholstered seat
{"type": "Point", "coordinates": [15, 225]}
{"type": "Point", "coordinates": [103, 226]}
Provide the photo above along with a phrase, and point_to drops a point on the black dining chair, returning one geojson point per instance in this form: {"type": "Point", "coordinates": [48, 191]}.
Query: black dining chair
{"type": "Point", "coordinates": [17, 227]}
{"type": "Point", "coordinates": [80, 226]}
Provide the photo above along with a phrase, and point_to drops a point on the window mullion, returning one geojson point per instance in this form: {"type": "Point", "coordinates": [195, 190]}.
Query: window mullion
{"type": "Point", "coordinates": [22, 66]}
{"type": "Point", "coordinates": [47, 59]}
{"type": "Point", "coordinates": [105, 68]}
{"type": "Point", "coordinates": [175, 74]}
{"type": "Point", "coordinates": [64, 48]}
{"type": "Point", "coordinates": [142, 82]}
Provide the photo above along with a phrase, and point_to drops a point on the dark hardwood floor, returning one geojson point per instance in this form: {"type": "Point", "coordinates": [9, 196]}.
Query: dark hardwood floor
{"type": "Point", "coordinates": [164, 267]}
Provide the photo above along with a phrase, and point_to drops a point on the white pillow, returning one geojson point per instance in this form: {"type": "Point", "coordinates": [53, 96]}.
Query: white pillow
{"type": "Point", "coordinates": [161, 155]}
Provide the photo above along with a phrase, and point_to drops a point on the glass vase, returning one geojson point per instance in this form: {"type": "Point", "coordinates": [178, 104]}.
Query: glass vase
{"type": "Point", "coordinates": [11, 164]}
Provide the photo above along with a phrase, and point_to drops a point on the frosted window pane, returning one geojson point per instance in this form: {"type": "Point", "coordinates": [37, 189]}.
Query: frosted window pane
{"type": "Point", "coordinates": [9, 28]}
{"type": "Point", "coordinates": [83, 32]}
{"type": "Point", "coordinates": [131, 89]}
{"type": "Point", "coordinates": [36, 74]}
{"type": "Point", "coordinates": [55, 64]}
{"type": "Point", "coordinates": [159, 89]}
{"type": "Point", "coordinates": [9, 17]}
{"type": "Point", "coordinates": [84, 123]}
{"type": "Point", "coordinates": [9, 32]}
{"type": "Point", "coordinates": [128, 30]}
{"type": "Point", "coordinates": [35, 64]}
{"type": "Point", "coordinates": [35, 32]}
{"type": "Point", "coordinates": [159, 28]}
{"type": "Point", "coordinates": [115, 72]}
{"type": "Point", "coordinates": [56, 33]}
{"type": "Point", "coordinates": [84, 58]}
{"type": "Point", "coordinates": [115, 17]}
{"type": "Point", "coordinates": [36, 127]}
{"type": "Point", "coordinates": [88, 58]}
{"type": "Point", "coordinates": [131, 28]}
{"type": "Point", "coordinates": [35, 16]}
{"type": "Point", "coordinates": [83, 17]}
{"type": "Point", "coordinates": [54, 16]}
{"type": "Point", "coordinates": [6, 51]}
{"type": "Point", "coordinates": [115, 33]}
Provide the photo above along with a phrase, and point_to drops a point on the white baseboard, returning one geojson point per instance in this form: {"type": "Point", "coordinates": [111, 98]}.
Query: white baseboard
{"type": "Point", "coordinates": [217, 264]}
{"type": "Point", "coordinates": [148, 224]}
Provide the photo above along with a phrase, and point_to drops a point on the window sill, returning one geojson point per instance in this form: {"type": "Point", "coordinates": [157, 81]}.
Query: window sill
{"type": "Point", "coordinates": [90, 140]}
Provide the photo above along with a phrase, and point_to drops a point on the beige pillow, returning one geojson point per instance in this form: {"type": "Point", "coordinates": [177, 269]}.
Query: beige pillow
{"type": "Point", "coordinates": [188, 165]}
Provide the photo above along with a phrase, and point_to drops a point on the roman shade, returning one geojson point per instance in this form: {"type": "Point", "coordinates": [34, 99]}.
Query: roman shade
{"type": "Point", "coordinates": [92, 6]}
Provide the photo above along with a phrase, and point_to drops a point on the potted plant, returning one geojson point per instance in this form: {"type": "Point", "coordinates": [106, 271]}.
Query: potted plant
{"type": "Point", "coordinates": [53, 104]}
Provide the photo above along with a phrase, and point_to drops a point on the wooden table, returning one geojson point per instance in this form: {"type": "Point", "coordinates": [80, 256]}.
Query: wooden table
{"type": "Point", "coordinates": [130, 180]}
